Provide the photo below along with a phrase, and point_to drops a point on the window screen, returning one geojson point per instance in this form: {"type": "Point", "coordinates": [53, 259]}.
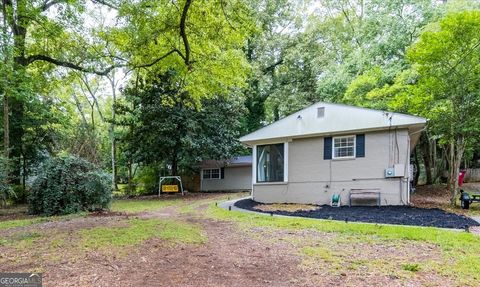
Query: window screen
{"type": "Point", "coordinates": [344, 147]}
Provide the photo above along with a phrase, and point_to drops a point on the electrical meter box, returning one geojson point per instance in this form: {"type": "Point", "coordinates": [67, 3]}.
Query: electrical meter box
{"type": "Point", "coordinates": [398, 170]}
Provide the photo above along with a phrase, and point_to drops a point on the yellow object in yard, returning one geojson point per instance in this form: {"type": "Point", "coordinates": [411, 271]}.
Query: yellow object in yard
{"type": "Point", "coordinates": [170, 188]}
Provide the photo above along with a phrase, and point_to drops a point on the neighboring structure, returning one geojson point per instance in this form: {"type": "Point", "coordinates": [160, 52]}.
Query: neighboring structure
{"type": "Point", "coordinates": [331, 149]}
{"type": "Point", "coordinates": [231, 175]}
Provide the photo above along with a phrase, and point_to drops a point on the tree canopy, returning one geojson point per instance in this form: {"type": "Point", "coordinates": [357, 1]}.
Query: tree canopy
{"type": "Point", "coordinates": [131, 85]}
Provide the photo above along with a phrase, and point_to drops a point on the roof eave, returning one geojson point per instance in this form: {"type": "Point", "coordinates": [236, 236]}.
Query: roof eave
{"type": "Point", "coordinates": [250, 143]}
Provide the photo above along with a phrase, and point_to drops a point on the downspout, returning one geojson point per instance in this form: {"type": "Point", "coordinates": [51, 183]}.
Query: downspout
{"type": "Point", "coordinates": [254, 168]}
{"type": "Point", "coordinates": [406, 178]}
{"type": "Point", "coordinates": [407, 166]}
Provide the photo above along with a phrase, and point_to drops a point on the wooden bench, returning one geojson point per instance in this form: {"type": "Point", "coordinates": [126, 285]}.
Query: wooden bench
{"type": "Point", "coordinates": [370, 193]}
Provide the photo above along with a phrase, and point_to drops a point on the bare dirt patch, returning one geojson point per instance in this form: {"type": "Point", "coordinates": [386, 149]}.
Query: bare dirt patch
{"type": "Point", "coordinates": [230, 258]}
{"type": "Point", "coordinates": [437, 196]}
{"type": "Point", "coordinates": [286, 207]}
{"type": "Point", "coordinates": [330, 259]}
{"type": "Point", "coordinates": [233, 255]}
{"type": "Point", "coordinates": [14, 212]}
{"type": "Point", "coordinates": [431, 196]}
{"type": "Point", "coordinates": [106, 213]}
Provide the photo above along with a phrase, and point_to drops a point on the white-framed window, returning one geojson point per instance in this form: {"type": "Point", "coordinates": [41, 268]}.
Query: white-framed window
{"type": "Point", "coordinates": [211, 173]}
{"type": "Point", "coordinates": [270, 162]}
{"type": "Point", "coordinates": [343, 147]}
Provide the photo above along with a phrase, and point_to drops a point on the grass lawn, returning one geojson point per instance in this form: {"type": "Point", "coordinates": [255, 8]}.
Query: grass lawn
{"type": "Point", "coordinates": [176, 241]}
{"type": "Point", "coordinates": [139, 205]}
{"type": "Point", "coordinates": [452, 244]}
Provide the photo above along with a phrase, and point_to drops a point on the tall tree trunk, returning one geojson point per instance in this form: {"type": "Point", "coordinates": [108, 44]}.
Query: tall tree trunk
{"type": "Point", "coordinates": [174, 163]}
{"type": "Point", "coordinates": [130, 178]}
{"type": "Point", "coordinates": [112, 133]}
{"type": "Point", "coordinates": [6, 124]}
{"type": "Point", "coordinates": [14, 114]}
{"type": "Point", "coordinates": [114, 161]}
{"type": "Point", "coordinates": [417, 167]}
{"type": "Point", "coordinates": [456, 150]}
{"type": "Point", "coordinates": [24, 171]}
{"type": "Point", "coordinates": [426, 156]}
{"type": "Point", "coordinates": [92, 115]}
{"type": "Point", "coordinates": [6, 110]}
{"type": "Point", "coordinates": [450, 155]}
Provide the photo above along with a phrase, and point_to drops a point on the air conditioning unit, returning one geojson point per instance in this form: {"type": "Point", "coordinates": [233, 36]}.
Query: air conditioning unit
{"type": "Point", "coordinates": [398, 170]}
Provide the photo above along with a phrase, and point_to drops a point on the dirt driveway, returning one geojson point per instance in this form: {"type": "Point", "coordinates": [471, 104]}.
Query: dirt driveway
{"type": "Point", "coordinates": [231, 255]}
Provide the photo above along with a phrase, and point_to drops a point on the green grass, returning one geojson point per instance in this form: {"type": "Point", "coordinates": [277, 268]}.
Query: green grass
{"type": "Point", "coordinates": [19, 223]}
{"type": "Point", "coordinates": [192, 206]}
{"type": "Point", "coordinates": [312, 254]}
{"type": "Point", "coordinates": [412, 267]}
{"type": "Point", "coordinates": [178, 232]}
{"type": "Point", "coordinates": [447, 238]}
{"type": "Point", "coordinates": [20, 240]}
{"type": "Point", "coordinates": [139, 230]}
{"type": "Point", "coordinates": [460, 250]}
{"type": "Point", "coordinates": [35, 220]}
{"type": "Point", "coordinates": [131, 206]}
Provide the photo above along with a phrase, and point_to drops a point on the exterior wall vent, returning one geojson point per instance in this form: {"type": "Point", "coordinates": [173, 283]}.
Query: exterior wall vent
{"type": "Point", "coordinates": [320, 112]}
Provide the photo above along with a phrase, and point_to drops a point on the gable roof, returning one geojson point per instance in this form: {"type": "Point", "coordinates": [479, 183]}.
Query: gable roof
{"type": "Point", "coordinates": [337, 119]}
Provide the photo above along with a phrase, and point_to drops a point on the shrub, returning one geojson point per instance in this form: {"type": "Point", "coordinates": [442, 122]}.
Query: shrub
{"type": "Point", "coordinates": [20, 195]}
{"type": "Point", "coordinates": [146, 181]}
{"type": "Point", "coordinates": [69, 184]}
{"type": "Point", "coordinates": [6, 191]}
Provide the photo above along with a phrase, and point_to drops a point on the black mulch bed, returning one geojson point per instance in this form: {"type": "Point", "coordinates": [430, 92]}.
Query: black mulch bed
{"type": "Point", "coordinates": [404, 215]}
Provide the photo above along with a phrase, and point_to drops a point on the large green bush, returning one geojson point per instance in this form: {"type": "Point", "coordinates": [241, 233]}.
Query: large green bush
{"type": "Point", "coordinates": [146, 181]}
{"type": "Point", "coordinates": [68, 184]}
{"type": "Point", "coordinates": [6, 190]}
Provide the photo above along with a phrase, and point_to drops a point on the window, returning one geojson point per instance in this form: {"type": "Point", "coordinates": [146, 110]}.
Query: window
{"type": "Point", "coordinates": [270, 163]}
{"type": "Point", "coordinates": [344, 147]}
{"type": "Point", "coordinates": [211, 173]}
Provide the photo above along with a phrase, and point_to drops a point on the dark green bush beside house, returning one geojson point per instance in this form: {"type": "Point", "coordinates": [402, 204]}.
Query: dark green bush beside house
{"type": "Point", "coordinates": [68, 184]}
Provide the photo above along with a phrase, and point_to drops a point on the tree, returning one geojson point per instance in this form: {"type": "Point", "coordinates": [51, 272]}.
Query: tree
{"type": "Point", "coordinates": [447, 58]}
{"type": "Point", "coordinates": [113, 85]}
{"type": "Point", "coordinates": [36, 40]}
{"type": "Point", "coordinates": [267, 51]}
{"type": "Point", "coordinates": [202, 40]}
{"type": "Point", "coordinates": [170, 130]}
{"type": "Point", "coordinates": [316, 55]}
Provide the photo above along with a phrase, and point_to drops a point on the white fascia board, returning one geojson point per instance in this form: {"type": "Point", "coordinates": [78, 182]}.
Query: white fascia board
{"type": "Point", "coordinates": [337, 118]}
{"type": "Point", "coordinates": [336, 133]}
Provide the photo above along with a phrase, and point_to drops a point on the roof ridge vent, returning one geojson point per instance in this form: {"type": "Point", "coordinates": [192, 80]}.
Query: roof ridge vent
{"type": "Point", "coordinates": [320, 112]}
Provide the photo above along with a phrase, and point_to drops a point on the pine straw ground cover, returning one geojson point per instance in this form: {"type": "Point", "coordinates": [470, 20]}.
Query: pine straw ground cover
{"type": "Point", "coordinates": [192, 242]}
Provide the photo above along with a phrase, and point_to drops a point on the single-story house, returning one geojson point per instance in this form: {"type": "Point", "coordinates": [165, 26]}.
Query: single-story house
{"type": "Point", "coordinates": [328, 150]}
{"type": "Point", "coordinates": [234, 174]}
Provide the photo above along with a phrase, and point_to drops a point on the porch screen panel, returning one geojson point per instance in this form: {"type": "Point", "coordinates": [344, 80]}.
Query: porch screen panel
{"type": "Point", "coordinates": [270, 163]}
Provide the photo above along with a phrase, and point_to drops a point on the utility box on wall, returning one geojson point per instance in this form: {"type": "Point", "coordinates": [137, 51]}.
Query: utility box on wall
{"type": "Point", "coordinates": [398, 170]}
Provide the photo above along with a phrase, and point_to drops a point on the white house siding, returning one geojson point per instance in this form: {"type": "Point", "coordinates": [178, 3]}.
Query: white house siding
{"type": "Point", "coordinates": [311, 179]}
{"type": "Point", "coordinates": [236, 178]}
